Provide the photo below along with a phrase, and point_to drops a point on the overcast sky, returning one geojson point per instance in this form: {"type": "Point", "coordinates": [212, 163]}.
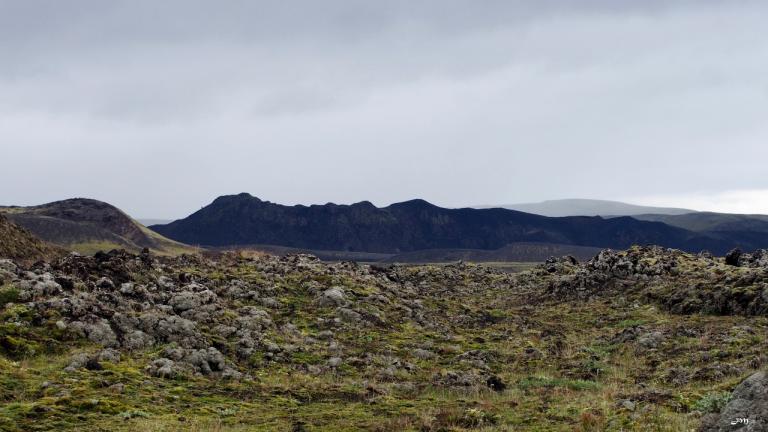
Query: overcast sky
{"type": "Point", "coordinates": [160, 106]}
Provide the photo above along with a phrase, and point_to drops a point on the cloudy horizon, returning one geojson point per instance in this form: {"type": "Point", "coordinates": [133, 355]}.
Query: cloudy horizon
{"type": "Point", "coordinates": [159, 107]}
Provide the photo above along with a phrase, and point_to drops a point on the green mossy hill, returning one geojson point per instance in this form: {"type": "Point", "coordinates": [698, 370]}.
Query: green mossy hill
{"type": "Point", "coordinates": [139, 342]}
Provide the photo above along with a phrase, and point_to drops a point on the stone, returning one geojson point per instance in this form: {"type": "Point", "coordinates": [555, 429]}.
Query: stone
{"type": "Point", "coordinates": [651, 340]}
{"type": "Point", "coordinates": [38, 286]}
{"type": "Point", "coordinates": [137, 340]}
{"type": "Point", "coordinates": [76, 362]}
{"type": "Point", "coordinates": [495, 383]}
{"type": "Point", "coordinates": [332, 297]}
{"type": "Point", "coordinates": [93, 364]}
{"type": "Point", "coordinates": [184, 301]}
{"type": "Point", "coordinates": [105, 283]}
{"type": "Point", "coordinates": [628, 405]}
{"type": "Point", "coordinates": [348, 315]}
{"type": "Point", "coordinates": [101, 333]}
{"type": "Point", "coordinates": [423, 354]}
{"type": "Point", "coordinates": [325, 335]}
{"type": "Point", "coordinates": [732, 258]}
{"type": "Point", "coordinates": [232, 374]}
{"type": "Point", "coordinates": [747, 410]}
{"type": "Point", "coordinates": [163, 368]}
{"type": "Point", "coordinates": [450, 378]}
{"type": "Point", "coordinates": [269, 302]}
{"type": "Point", "coordinates": [206, 361]}
{"type": "Point", "coordinates": [178, 329]}
{"type": "Point", "coordinates": [8, 266]}
{"type": "Point", "coordinates": [109, 355]}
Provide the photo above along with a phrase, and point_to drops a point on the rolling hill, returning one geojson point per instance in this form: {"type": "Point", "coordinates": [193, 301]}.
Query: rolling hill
{"type": "Point", "coordinates": [414, 225]}
{"type": "Point", "coordinates": [589, 207]}
{"type": "Point", "coordinates": [749, 231]}
{"type": "Point", "coordinates": [87, 226]}
{"type": "Point", "coordinates": [712, 222]}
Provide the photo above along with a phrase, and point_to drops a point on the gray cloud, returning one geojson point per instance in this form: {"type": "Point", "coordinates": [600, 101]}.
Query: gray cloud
{"type": "Point", "coordinates": [159, 107]}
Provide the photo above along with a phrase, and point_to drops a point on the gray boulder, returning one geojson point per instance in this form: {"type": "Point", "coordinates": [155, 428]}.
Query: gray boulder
{"type": "Point", "coordinates": [423, 354]}
{"type": "Point", "coordinates": [109, 355]}
{"type": "Point", "coordinates": [76, 362]}
{"type": "Point", "coordinates": [747, 411]}
{"type": "Point", "coordinates": [8, 265]}
{"type": "Point", "coordinates": [332, 297]}
{"type": "Point", "coordinates": [7, 271]}
{"type": "Point", "coordinates": [99, 332]}
{"type": "Point", "coordinates": [651, 340]}
{"type": "Point", "coordinates": [348, 315]}
{"type": "Point", "coordinates": [36, 287]}
{"type": "Point", "coordinates": [105, 283]}
{"type": "Point", "coordinates": [180, 330]}
{"type": "Point", "coordinates": [187, 300]}
{"type": "Point", "coordinates": [206, 361]}
{"type": "Point", "coordinates": [163, 368]}
{"type": "Point", "coordinates": [137, 340]}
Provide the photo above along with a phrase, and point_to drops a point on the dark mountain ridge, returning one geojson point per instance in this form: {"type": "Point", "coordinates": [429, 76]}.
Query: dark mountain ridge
{"type": "Point", "coordinates": [414, 225]}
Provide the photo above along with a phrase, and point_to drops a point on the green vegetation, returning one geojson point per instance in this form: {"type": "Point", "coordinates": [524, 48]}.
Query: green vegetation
{"type": "Point", "coordinates": [281, 397]}
{"type": "Point", "coordinates": [446, 348]}
{"type": "Point", "coordinates": [92, 247]}
{"type": "Point", "coordinates": [712, 402]}
{"type": "Point", "coordinates": [8, 294]}
{"type": "Point", "coordinates": [546, 382]}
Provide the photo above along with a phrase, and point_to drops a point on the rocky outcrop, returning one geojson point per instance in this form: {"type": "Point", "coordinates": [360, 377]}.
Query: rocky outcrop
{"type": "Point", "coordinates": [680, 282]}
{"type": "Point", "coordinates": [757, 259]}
{"type": "Point", "coordinates": [610, 270]}
{"type": "Point", "coordinates": [212, 327]}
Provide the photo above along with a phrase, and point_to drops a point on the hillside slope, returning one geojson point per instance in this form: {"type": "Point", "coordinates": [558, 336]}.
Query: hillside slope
{"type": "Point", "coordinates": [87, 226]}
{"type": "Point", "coordinates": [413, 225]}
{"type": "Point", "coordinates": [19, 244]}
